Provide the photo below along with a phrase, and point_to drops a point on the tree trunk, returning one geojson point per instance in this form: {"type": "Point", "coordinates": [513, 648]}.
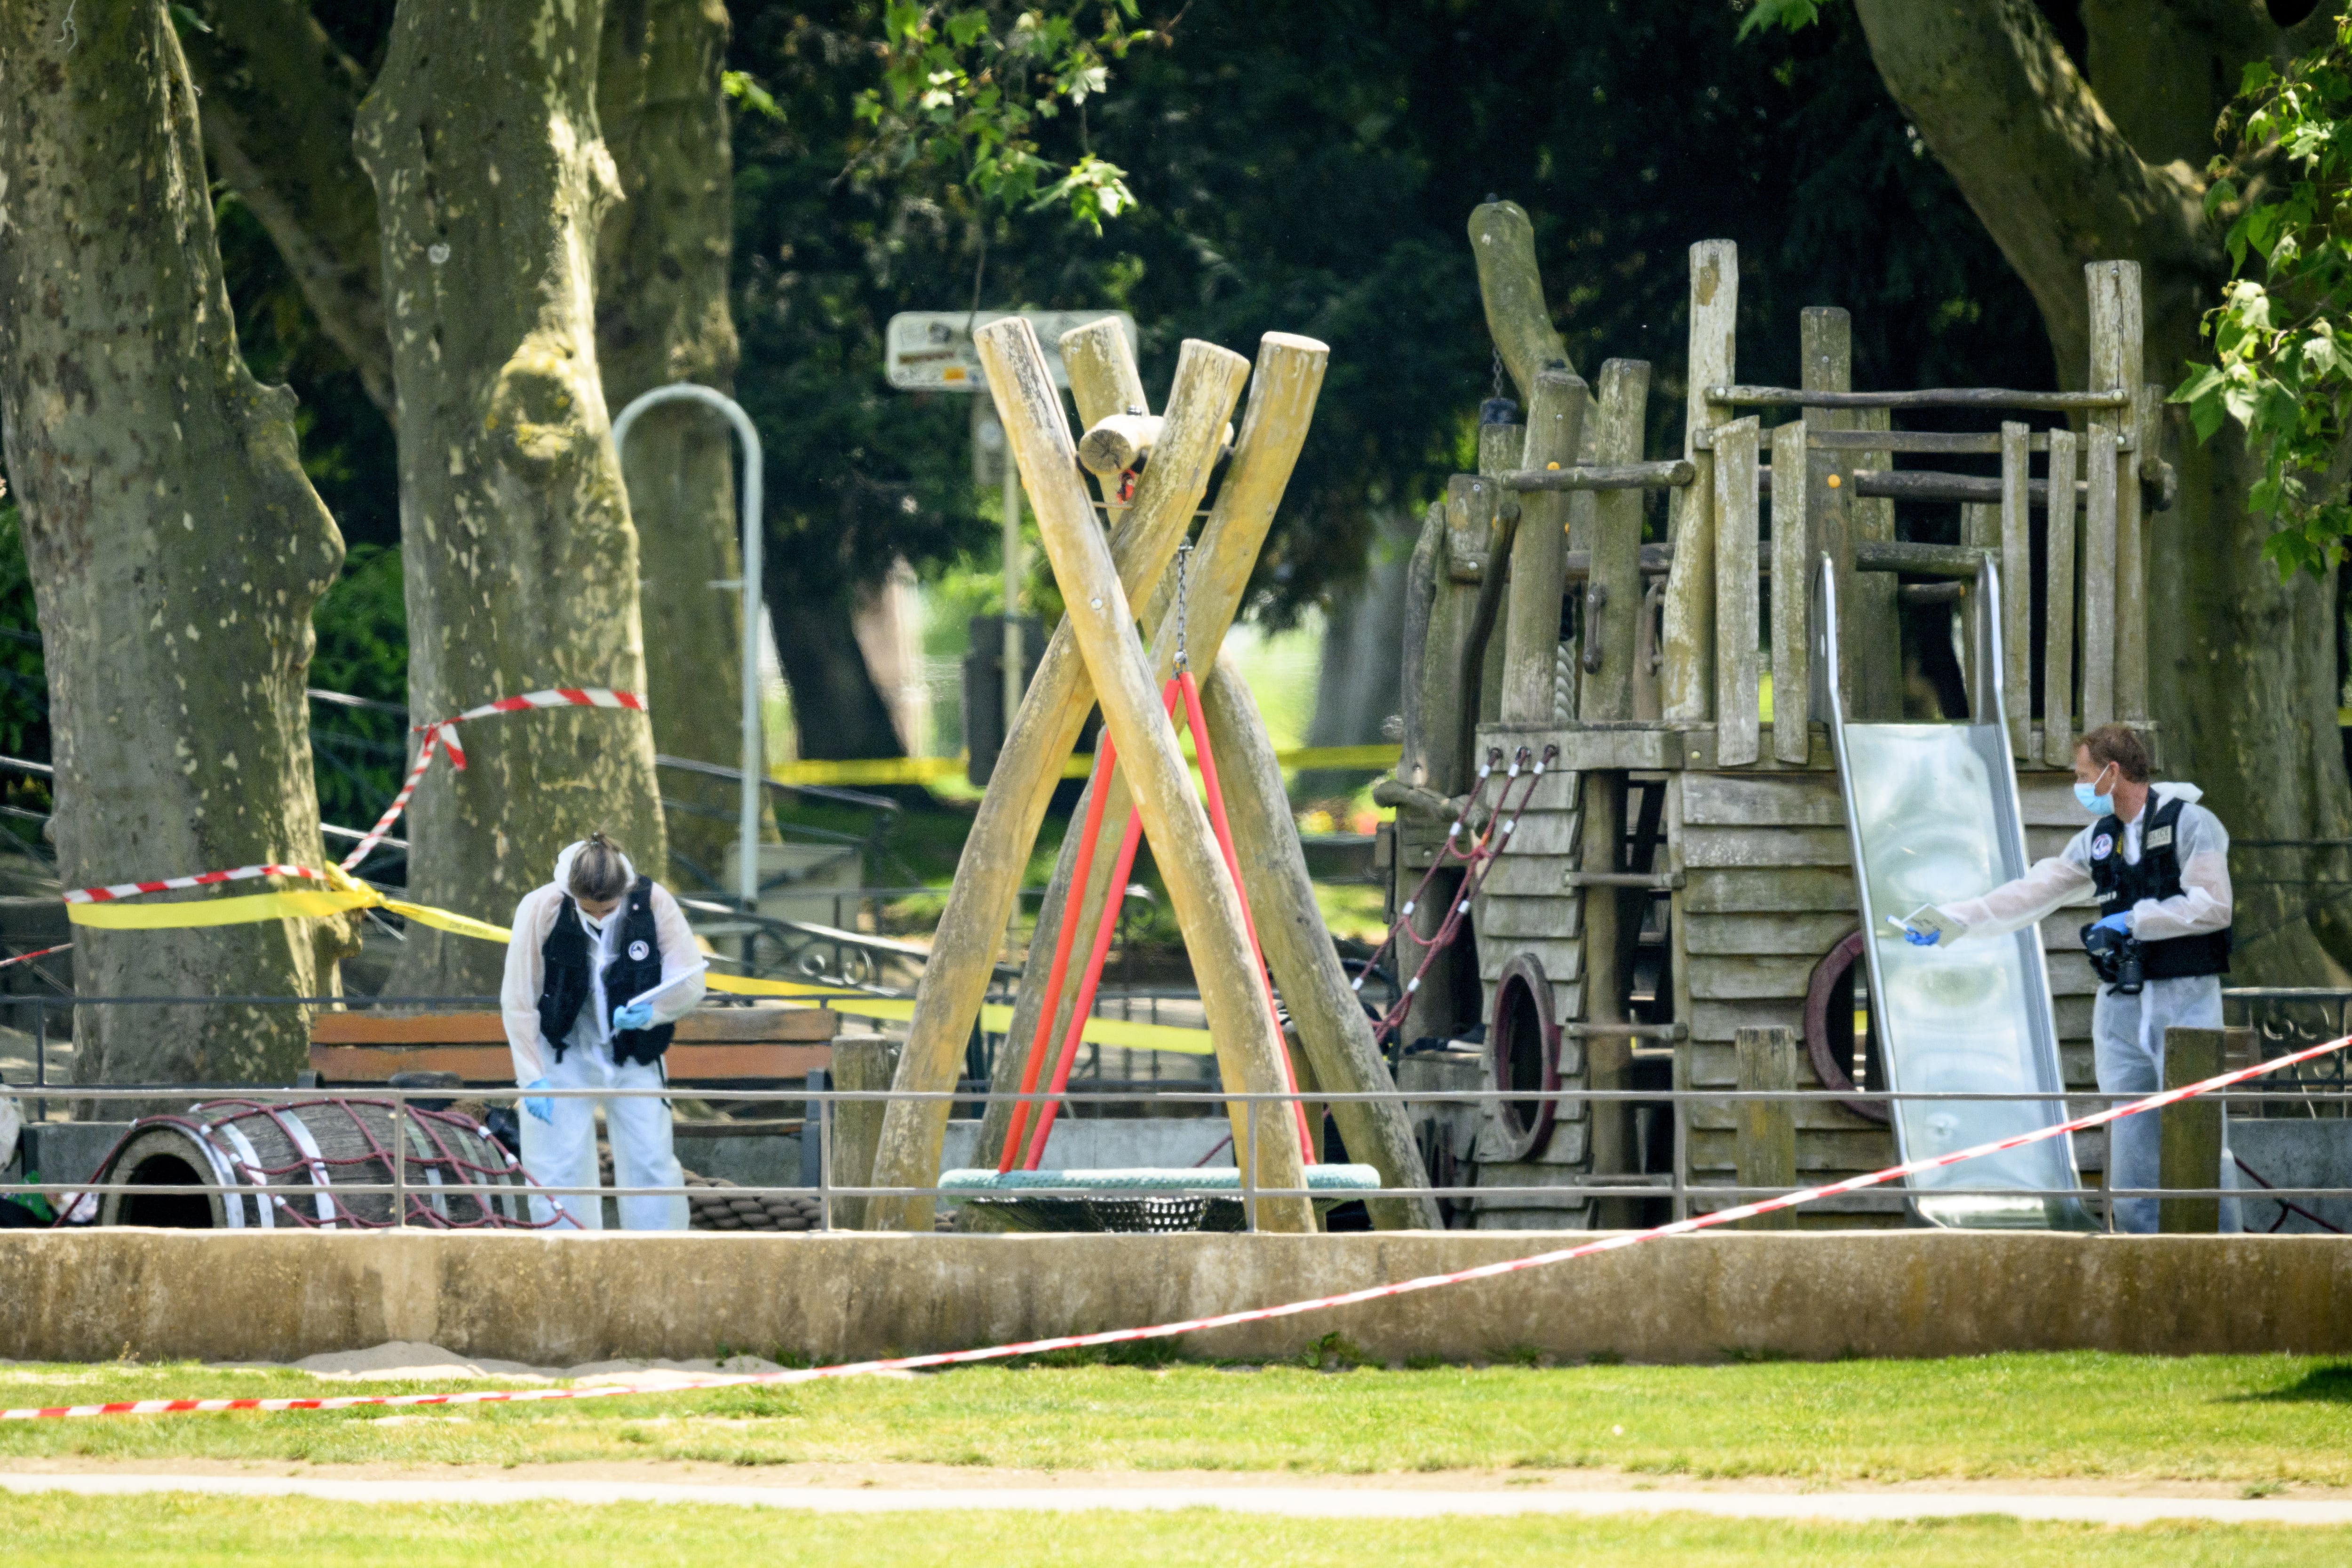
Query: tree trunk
{"type": "Point", "coordinates": [2242, 669]}
{"type": "Point", "coordinates": [174, 544]}
{"type": "Point", "coordinates": [835, 706]}
{"type": "Point", "coordinates": [661, 317]}
{"type": "Point", "coordinates": [521, 567]}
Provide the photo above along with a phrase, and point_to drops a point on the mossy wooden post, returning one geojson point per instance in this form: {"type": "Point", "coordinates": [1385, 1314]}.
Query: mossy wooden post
{"type": "Point", "coordinates": [1333, 1033]}
{"type": "Point", "coordinates": [1208, 905]}
{"type": "Point", "coordinates": [1767, 1155]}
{"type": "Point", "coordinates": [1687, 676]}
{"type": "Point", "coordinates": [1612, 594]}
{"type": "Point", "coordinates": [2099, 641]}
{"type": "Point", "coordinates": [863, 1062]}
{"type": "Point", "coordinates": [1045, 729]}
{"type": "Point", "coordinates": [2117, 328]}
{"type": "Point", "coordinates": [1792, 648]}
{"type": "Point", "coordinates": [2058, 640]}
{"type": "Point", "coordinates": [1738, 681]}
{"type": "Point", "coordinates": [2189, 1134]}
{"type": "Point", "coordinates": [2016, 589]}
{"type": "Point", "coordinates": [1540, 553]}
{"type": "Point", "coordinates": [1510, 285]}
{"type": "Point", "coordinates": [1870, 686]}
{"type": "Point", "coordinates": [1283, 391]}
{"type": "Point", "coordinates": [1979, 529]}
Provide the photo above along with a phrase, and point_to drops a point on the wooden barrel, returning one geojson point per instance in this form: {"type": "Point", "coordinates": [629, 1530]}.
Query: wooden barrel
{"type": "Point", "coordinates": [275, 1155]}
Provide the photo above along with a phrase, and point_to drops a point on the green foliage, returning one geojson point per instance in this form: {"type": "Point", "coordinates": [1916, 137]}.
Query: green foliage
{"type": "Point", "coordinates": [1788, 15]}
{"type": "Point", "coordinates": [2281, 368]}
{"type": "Point", "coordinates": [963, 88]}
{"type": "Point", "coordinates": [358, 753]}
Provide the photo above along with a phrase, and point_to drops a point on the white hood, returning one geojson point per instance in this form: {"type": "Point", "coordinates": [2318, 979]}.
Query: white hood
{"type": "Point", "coordinates": [564, 879]}
{"type": "Point", "coordinates": [2188, 794]}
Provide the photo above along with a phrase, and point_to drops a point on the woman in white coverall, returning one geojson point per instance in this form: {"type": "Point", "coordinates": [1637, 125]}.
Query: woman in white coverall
{"type": "Point", "coordinates": [2159, 864]}
{"type": "Point", "coordinates": [586, 947]}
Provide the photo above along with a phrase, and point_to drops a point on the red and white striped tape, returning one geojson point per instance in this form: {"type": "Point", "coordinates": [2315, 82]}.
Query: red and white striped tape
{"type": "Point", "coordinates": [1196, 1325]}
{"type": "Point", "coordinates": [442, 734]}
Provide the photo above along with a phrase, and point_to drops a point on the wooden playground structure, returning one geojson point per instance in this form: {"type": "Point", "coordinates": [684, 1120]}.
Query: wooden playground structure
{"type": "Point", "coordinates": [1628, 705]}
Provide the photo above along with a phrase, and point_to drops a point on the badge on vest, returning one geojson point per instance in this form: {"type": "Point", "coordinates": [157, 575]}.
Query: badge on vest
{"type": "Point", "coordinates": [2102, 847]}
{"type": "Point", "coordinates": [638, 952]}
{"type": "Point", "coordinates": [2160, 838]}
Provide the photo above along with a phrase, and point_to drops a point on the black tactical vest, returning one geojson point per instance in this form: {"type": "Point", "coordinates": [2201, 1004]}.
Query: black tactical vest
{"type": "Point", "coordinates": [2158, 876]}
{"type": "Point", "coordinates": [637, 969]}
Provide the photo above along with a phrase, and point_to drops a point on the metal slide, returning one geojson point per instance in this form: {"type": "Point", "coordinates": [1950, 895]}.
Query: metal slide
{"type": "Point", "coordinates": [1933, 816]}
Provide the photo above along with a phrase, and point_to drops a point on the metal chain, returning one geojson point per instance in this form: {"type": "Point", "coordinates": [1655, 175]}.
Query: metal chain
{"type": "Point", "coordinates": [1498, 373]}
{"type": "Point", "coordinates": [1183, 599]}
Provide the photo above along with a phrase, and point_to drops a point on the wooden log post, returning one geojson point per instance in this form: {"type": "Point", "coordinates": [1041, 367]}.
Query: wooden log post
{"type": "Point", "coordinates": [1207, 904]}
{"type": "Point", "coordinates": [1333, 1033]}
{"type": "Point", "coordinates": [1979, 529]}
{"type": "Point", "coordinates": [2117, 355]}
{"type": "Point", "coordinates": [1686, 672]}
{"type": "Point", "coordinates": [1738, 620]}
{"type": "Point", "coordinates": [1612, 592]}
{"type": "Point", "coordinates": [1792, 644]}
{"type": "Point", "coordinates": [1540, 553]}
{"type": "Point", "coordinates": [859, 1062]}
{"type": "Point", "coordinates": [1767, 1150]}
{"type": "Point", "coordinates": [1283, 391]}
{"type": "Point", "coordinates": [1869, 685]}
{"type": "Point", "coordinates": [2058, 631]}
{"type": "Point", "coordinates": [2189, 1134]}
{"type": "Point", "coordinates": [2099, 637]}
{"type": "Point", "coordinates": [2016, 590]}
{"type": "Point", "coordinates": [1044, 730]}
{"type": "Point", "coordinates": [1510, 285]}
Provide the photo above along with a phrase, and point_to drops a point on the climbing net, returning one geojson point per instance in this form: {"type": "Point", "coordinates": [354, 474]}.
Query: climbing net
{"type": "Point", "coordinates": [1475, 852]}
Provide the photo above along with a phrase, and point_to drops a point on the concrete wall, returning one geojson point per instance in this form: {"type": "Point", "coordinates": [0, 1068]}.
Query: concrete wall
{"type": "Point", "coordinates": [559, 1300]}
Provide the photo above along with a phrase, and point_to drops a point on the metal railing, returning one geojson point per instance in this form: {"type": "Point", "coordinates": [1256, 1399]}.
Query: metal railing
{"type": "Point", "coordinates": [1677, 1187]}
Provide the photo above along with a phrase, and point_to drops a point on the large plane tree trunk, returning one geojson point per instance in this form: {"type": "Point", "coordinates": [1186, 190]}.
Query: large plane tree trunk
{"type": "Point", "coordinates": [2065, 171]}
{"type": "Point", "coordinates": [174, 544]}
{"type": "Point", "coordinates": [491, 178]}
{"type": "Point", "coordinates": [662, 317]}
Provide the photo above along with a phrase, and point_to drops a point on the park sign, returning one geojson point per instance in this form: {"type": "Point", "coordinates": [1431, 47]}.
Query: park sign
{"type": "Point", "coordinates": [930, 351]}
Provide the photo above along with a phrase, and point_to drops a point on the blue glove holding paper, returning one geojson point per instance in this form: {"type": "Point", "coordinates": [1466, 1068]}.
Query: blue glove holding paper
{"type": "Point", "coordinates": [539, 1106]}
{"type": "Point", "coordinates": [633, 1016]}
{"type": "Point", "coordinates": [1926, 926]}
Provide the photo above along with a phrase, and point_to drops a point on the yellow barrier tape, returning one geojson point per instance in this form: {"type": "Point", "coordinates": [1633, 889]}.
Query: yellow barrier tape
{"type": "Point", "coordinates": [925, 770]}
{"type": "Point", "coordinates": [242, 911]}
{"type": "Point", "coordinates": [259, 907]}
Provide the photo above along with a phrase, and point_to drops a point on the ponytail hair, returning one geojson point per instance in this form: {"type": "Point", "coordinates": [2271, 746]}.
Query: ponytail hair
{"type": "Point", "coordinates": [600, 873]}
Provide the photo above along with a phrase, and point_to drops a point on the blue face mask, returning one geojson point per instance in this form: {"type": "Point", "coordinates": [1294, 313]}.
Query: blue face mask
{"type": "Point", "coordinates": [2088, 797]}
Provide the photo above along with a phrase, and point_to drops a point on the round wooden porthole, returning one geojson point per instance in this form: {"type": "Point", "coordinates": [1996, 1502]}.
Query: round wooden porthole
{"type": "Point", "coordinates": [1523, 1057]}
{"type": "Point", "coordinates": [1840, 1036]}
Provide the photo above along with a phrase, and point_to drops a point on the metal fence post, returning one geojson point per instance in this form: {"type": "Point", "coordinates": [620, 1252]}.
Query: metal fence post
{"type": "Point", "coordinates": [1681, 1090]}
{"type": "Point", "coordinates": [399, 1159]}
{"type": "Point", "coordinates": [823, 1161]}
{"type": "Point", "coordinates": [1248, 1163]}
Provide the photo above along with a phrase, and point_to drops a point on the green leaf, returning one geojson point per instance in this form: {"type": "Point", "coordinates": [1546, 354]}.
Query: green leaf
{"type": "Point", "coordinates": [1787, 15]}
{"type": "Point", "coordinates": [743, 89]}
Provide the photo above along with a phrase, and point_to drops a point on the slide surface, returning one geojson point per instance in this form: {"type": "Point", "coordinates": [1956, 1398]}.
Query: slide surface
{"type": "Point", "coordinates": [1933, 816]}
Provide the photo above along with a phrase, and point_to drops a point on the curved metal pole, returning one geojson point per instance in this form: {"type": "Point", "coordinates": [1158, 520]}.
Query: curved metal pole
{"type": "Point", "coordinates": [755, 758]}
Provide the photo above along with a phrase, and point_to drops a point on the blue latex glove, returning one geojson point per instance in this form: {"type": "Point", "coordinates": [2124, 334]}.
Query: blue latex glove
{"type": "Point", "coordinates": [2119, 922]}
{"type": "Point", "coordinates": [540, 1105]}
{"type": "Point", "coordinates": [636, 1015]}
{"type": "Point", "coordinates": [1918, 938]}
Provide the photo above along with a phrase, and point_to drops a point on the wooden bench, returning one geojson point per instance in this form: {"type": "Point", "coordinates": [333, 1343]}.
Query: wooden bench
{"type": "Point", "coordinates": [744, 1046]}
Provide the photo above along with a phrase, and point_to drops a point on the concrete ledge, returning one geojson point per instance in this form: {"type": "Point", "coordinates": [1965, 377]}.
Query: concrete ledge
{"type": "Point", "coordinates": [562, 1301]}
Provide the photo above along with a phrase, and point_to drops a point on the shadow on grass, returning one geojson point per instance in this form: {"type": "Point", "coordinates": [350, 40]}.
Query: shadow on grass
{"type": "Point", "coordinates": [2320, 1386]}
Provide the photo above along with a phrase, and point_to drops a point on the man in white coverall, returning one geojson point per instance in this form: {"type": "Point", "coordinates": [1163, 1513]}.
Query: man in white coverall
{"type": "Point", "coordinates": [587, 947]}
{"type": "Point", "coordinates": [2159, 863]}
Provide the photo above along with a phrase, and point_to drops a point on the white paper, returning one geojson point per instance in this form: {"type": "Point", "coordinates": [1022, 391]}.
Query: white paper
{"type": "Point", "coordinates": [1927, 918]}
{"type": "Point", "coordinates": [668, 990]}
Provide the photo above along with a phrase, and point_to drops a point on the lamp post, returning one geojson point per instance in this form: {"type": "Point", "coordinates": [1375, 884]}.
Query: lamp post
{"type": "Point", "coordinates": [754, 758]}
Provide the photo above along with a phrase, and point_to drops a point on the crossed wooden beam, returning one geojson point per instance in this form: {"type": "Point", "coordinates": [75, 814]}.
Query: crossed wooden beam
{"type": "Point", "coordinates": [1096, 654]}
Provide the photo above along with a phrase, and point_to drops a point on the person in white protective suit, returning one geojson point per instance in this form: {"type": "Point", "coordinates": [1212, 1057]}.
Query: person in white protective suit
{"type": "Point", "coordinates": [2160, 866]}
{"type": "Point", "coordinates": [601, 967]}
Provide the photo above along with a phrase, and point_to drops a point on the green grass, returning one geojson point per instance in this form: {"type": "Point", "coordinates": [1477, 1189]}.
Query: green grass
{"type": "Point", "coordinates": [2253, 1420]}
{"type": "Point", "coordinates": [191, 1531]}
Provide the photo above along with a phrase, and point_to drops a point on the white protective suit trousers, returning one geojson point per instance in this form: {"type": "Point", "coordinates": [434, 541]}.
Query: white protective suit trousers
{"type": "Point", "coordinates": [563, 1154]}
{"type": "Point", "coordinates": [2128, 1043]}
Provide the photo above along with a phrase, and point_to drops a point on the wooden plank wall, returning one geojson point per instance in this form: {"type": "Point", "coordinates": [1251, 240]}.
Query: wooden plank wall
{"type": "Point", "coordinates": [1771, 892]}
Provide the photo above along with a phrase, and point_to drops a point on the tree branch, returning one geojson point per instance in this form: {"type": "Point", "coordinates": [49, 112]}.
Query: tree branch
{"type": "Point", "coordinates": [279, 101]}
{"type": "Point", "coordinates": [2048, 173]}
